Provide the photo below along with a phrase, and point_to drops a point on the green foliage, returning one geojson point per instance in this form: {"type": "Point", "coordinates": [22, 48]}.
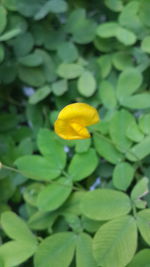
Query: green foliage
{"type": "Point", "coordinates": [83, 203]}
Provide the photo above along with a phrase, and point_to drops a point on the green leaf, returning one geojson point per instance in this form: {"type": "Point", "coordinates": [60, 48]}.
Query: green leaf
{"type": "Point", "coordinates": [107, 29]}
{"type": "Point", "coordinates": [10, 34]}
{"type": "Point", "coordinates": [122, 60]}
{"type": "Point", "coordinates": [145, 45]}
{"type": "Point", "coordinates": [3, 18]}
{"type": "Point", "coordinates": [107, 95]}
{"type": "Point", "coordinates": [31, 60]}
{"type": "Point", "coordinates": [52, 196]}
{"type": "Point", "coordinates": [37, 168]}
{"type": "Point", "coordinates": [129, 81]}
{"type": "Point", "coordinates": [82, 145]}
{"type": "Point", "coordinates": [40, 94]}
{"type": "Point", "coordinates": [2, 53]}
{"type": "Point", "coordinates": [51, 148]}
{"type": "Point", "coordinates": [22, 44]}
{"type": "Point", "coordinates": [54, 6]}
{"type": "Point", "coordinates": [67, 52]}
{"type": "Point", "coordinates": [144, 123]}
{"type": "Point", "coordinates": [139, 101]}
{"type": "Point", "coordinates": [115, 242]}
{"type": "Point", "coordinates": [142, 258]}
{"type": "Point", "coordinates": [117, 129]}
{"type": "Point", "coordinates": [105, 63]}
{"type": "Point", "coordinates": [28, 8]}
{"type": "Point", "coordinates": [144, 10]}
{"type": "Point", "coordinates": [133, 132]}
{"type": "Point", "coordinates": [140, 190]}
{"type": "Point", "coordinates": [14, 253]}
{"type": "Point", "coordinates": [56, 250]}
{"type": "Point", "coordinates": [86, 84]}
{"type": "Point", "coordinates": [125, 36]}
{"type": "Point", "coordinates": [139, 151]}
{"type": "Point", "coordinates": [114, 5]}
{"type": "Point", "coordinates": [143, 218]}
{"type": "Point", "coordinates": [59, 87]}
{"type": "Point", "coordinates": [10, 4]}
{"type": "Point", "coordinates": [41, 220]}
{"type": "Point", "coordinates": [106, 149]}
{"type": "Point", "coordinates": [82, 166]}
{"type": "Point", "coordinates": [16, 228]}
{"type": "Point", "coordinates": [32, 76]}
{"type": "Point", "coordinates": [84, 255]}
{"type": "Point", "coordinates": [105, 204]}
{"type": "Point", "coordinates": [69, 71]}
{"type": "Point", "coordinates": [123, 175]}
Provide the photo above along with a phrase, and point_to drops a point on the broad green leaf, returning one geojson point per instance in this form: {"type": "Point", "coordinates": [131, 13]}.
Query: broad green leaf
{"type": "Point", "coordinates": [128, 82]}
{"type": "Point", "coordinates": [59, 87]}
{"type": "Point", "coordinates": [82, 166]}
{"type": "Point", "coordinates": [53, 196]}
{"type": "Point", "coordinates": [145, 45]}
{"type": "Point", "coordinates": [22, 44]}
{"type": "Point", "coordinates": [143, 218]}
{"type": "Point", "coordinates": [122, 60]}
{"type": "Point", "coordinates": [82, 145]}
{"type": "Point", "coordinates": [142, 258]}
{"type": "Point", "coordinates": [114, 5]}
{"type": "Point", "coordinates": [42, 220]}
{"type": "Point", "coordinates": [105, 63]}
{"type": "Point", "coordinates": [86, 84]}
{"type": "Point", "coordinates": [105, 204]}
{"type": "Point", "coordinates": [107, 29]}
{"type": "Point", "coordinates": [3, 18]}
{"type": "Point", "coordinates": [138, 101]}
{"type": "Point", "coordinates": [16, 228]}
{"type": "Point", "coordinates": [28, 8]}
{"type": "Point", "coordinates": [84, 253]}
{"type": "Point", "coordinates": [72, 205]}
{"type": "Point", "coordinates": [125, 36]}
{"type": "Point", "coordinates": [144, 123]}
{"type": "Point", "coordinates": [31, 192]}
{"type": "Point", "coordinates": [69, 70]}
{"type": "Point", "coordinates": [56, 250]}
{"type": "Point", "coordinates": [14, 253]}
{"type": "Point", "coordinates": [106, 149]}
{"type": "Point", "coordinates": [89, 225]}
{"type": "Point", "coordinates": [10, 34]}
{"type": "Point", "coordinates": [144, 9]}
{"type": "Point", "coordinates": [37, 167]}
{"type": "Point", "coordinates": [115, 242]}
{"type": "Point", "coordinates": [40, 94]}
{"type": "Point", "coordinates": [51, 148]}
{"type": "Point", "coordinates": [139, 151]}
{"type": "Point", "coordinates": [67, 52]}
{"type": "Point", "coordinates": [123, 175]}
{"type": "Point", "coordinates": [107, 95]}
{"type": "Point", "coordinates": [118, 126]}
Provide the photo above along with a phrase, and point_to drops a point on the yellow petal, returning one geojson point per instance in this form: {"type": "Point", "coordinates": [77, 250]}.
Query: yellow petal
{"type": "Point", "coordinates": [73, 119]}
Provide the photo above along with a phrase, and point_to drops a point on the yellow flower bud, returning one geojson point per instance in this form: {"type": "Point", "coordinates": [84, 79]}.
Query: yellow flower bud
{"type": "Point", "coordinates": [73, 119]}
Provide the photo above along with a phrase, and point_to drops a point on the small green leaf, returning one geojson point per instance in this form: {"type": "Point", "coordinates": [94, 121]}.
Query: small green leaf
{"type": "Point", "coordinates": [139, 151]}
{"type": "Point", "coordinates": [138, 101]}
{"type": "Point", "coordinates": [10, 34]}
{"type": "Point", "coordinates": [84, 255]}
{"type": "Point", "coordinates": [122, 60]}
{"type": "Point", "coordinates": [105, 63]}
{"type": "Point", "coordinates": [32, 76]}
{"type": "Point", "coordinates": [125, 36]}
{"type": "Point", "coordinates": [31, 60]}
{"type": "Point", "coordinates": [144, 123]}
{"type": "Point", "coordinates": [52, 196]}
{"type": "Point", "coordinates": [59, 87]}
{"type": "Point", "coordinates": [143, 222]}
{"type": "Point", "coordinates": [40, 94]}
{"type": "Point", "coordinates": [107, 29]}
{"type": "Point", "coordinates": [106, 149]}
{"type": "Point", "coordinates": [67, 52]}
{"type": "Point", "coordinates": [56, 250]}
{"type": "Point", "coordinates": [2, 53]}
{"type": "Point", "coordinates": [82, 145]}
{"type": "Point", "coordinates": [69, 71]}
{"type": "Point", "coordinates": [114, 5]}
{"type": "Point", "coordinates": [86, 84]}
{"type": "Point", "coordinates": [133, 132]}
{"type": "Point", "coordinates": [82, 166]}
{"type": "Point", "coordinates": [123, 175]}
{"type": "Point", "coordinates": [129, 81]}
{"type": "Point", "coordinates": [140, 190]}
{"type": "Point", "coordinates": [145, 45]}
{"type": "Point", "coordinates": [105, 204]}
{"type": "Point", "coordinates": [144, 10]}
{"type": "Point", "coordinates": [107, 94]}
{"type": "Point", "coordinates": [115, 242]}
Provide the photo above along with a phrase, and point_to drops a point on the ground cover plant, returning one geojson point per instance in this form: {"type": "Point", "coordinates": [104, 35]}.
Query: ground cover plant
{"type": "Point", "coordinates": [74, 203]}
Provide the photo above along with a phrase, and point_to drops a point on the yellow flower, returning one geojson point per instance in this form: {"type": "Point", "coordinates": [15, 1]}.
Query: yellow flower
{"type": "Point", "coordinates": [73, 119]}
